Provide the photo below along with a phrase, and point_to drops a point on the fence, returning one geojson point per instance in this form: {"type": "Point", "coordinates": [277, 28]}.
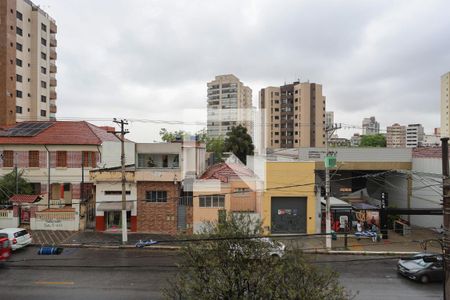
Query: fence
{"type": "Point", "coordinates": [55, 220]}
{"type": "Point", "coordinates": [7, 219]}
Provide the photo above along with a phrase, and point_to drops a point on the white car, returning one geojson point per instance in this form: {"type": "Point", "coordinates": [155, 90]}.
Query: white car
{"type": "Point", "coordinates": [269, 247]}
{"type": "Point", "coordinates": [18, 237]}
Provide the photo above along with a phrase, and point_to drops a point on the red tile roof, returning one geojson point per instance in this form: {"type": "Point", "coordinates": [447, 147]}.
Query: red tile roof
{"type": "Point", "coordinates": [64, 133]}
{"type": "Point", "coordinates": [429, 152]}
{"type": "Point", "coordinates": [224, 172]}
{"type": "Point", "coordinates": [25, 198]}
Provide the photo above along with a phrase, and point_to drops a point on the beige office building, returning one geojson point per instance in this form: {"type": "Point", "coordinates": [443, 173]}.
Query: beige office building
{"type": "Point", "coordinates": [27, 57]}
{"type": "Point", "coordinates": [445, 123]}
{"type": "Point", "coordinates": [229, 104]}
{"type": "Point", "coordinates": [396, 136]}
{"type": "Point", "coordinates": [293, 116]}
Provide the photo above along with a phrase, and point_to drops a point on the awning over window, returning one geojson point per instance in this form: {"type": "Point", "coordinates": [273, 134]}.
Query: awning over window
{"type": "Point", "coordinates": [114, 206]}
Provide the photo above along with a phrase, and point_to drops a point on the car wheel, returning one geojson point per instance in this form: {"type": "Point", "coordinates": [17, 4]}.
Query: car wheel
{"type": "Point", "coordinates": [424, 279]}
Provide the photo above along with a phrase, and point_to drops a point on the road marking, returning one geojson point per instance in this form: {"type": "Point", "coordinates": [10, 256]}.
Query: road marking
{"type": "Point", "coordinates": [55, 282]}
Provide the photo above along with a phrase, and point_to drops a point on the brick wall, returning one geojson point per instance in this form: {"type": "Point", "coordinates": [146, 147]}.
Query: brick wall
{"type": "Point", "coordinates": [157, 217]}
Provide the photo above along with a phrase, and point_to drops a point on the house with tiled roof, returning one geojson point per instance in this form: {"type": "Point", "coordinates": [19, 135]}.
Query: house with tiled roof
{"type": "Point", "coordinates": [55, 157]}
{"type": "Point", "coordinates": [224, 188]}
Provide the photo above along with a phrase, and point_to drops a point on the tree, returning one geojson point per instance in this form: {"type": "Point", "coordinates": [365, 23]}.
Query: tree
{"type": "Point", "coordinates": [8, 186]}
{"type": "Point", "coordinates": [373, 140]}
{"type": "Point", "coordinates": [239, 142]}
{"type": "Point", "coordinates": [216, 146]}
{"type": "Point", "coordinates": [228, 262]}
{"type": "Point", "coordinates": [169, 137]}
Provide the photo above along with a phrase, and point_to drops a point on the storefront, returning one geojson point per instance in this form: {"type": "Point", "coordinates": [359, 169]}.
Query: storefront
{"type": "Point", "coordinates": [341, 212]}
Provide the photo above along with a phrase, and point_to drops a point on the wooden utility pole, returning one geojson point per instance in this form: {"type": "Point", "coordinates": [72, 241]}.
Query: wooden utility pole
{"type": "Point", "coordinates": [446, 213]}
{"type": "Point", "coordinates": [122, 161]}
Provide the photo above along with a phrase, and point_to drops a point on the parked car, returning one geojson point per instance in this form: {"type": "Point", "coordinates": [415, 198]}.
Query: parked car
{"type": "Point", "coordinates": [270, 247]}
{"type": "Point", "coordinates": [18, 237]}
{"type": "Point", "coordinates": [422, 267]}
{"type": "Point", "coordinates": [5, 247]}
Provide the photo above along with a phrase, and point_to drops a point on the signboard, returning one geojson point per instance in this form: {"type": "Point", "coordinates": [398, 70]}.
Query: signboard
{"type": "Point", "coordinates": [343, 220]}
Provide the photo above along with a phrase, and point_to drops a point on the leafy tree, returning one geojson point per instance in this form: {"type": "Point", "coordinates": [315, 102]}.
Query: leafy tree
{"type": "Point", "coordinates": [216, 146]}
{"type": "Point", "coordinates": [8, 186]}
{"type": "Point", "coordinates": [229, 263]}
{"type": "Point", "coordinates": [169, 137]}
{"type": "Point", "coordinates": [239, 142]}
{"type": "Point", "coordinates": [374, 140]}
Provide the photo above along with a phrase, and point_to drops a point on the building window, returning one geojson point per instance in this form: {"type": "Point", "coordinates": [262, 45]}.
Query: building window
{"type": "Point", "coordinates": [19, 31]}
{"type": "Point", "coordinates": [18, 62]}
{"type": "Point", "coordinates": [89, 159]}
{"type": "Point", "coordinates": [116, 193]}
{"type": "Point", "coordinates": [241, 191]}
{"type": "Point", "coordinates": [61, 158]}
{"type": "Point", "coordinates": [19, 15]}
{"type": "Point", "coordinates": [43, 99]}
{"type": "Point", "coordinates": [43, 84]}
{"type": "Point", "coordinates": [8, 159]}
{"type": "Point", "coordinates": [33, 159]}
{"type": "Point", "coordinates": [18, 109]}
{"type": "Point", "coordinates": [155, 160]}
{"type": "Point", "coordinates": [156, 196]}
{"type": "Point", "coordinates": [43, 70]}
{"type": "Point", "coordinates": [18, 78]}
{"type": "Point", "coordinates": [43, 41]}
{"type": "Point", "coordinates": [19, 47]}
{"type": "Point", "coordinates": [43, 113]}
{"type": "Point", "coordinates": [43, 27]}
{"type": "Point", "coordinates": [212, 201]}
{"type": "Point", "coordinates": [43, 56]}
{"type": "Point", "coordinates": [18, 94]}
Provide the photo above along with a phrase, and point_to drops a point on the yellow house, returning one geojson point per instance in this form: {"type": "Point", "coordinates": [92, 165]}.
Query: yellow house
{"type": "Point", "coordinates": [290, 204]}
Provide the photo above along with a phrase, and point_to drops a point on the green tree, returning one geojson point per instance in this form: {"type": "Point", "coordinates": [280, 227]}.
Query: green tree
{"type": "Point", "coordinates": [229, 263]}
{"type": "Point", "coordinates": [169, 137]}
{"type": "Point", "coordinates": [8, 186]}
{"type": "Point", "coordinates": [373, 140]}
{"type": "Point", "coordinates": [216, 146]}
{"type": "Point", "coordinates": [239, 142]}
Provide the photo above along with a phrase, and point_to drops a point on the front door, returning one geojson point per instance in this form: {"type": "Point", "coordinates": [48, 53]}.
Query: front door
{"type": "Point", "coordinates": [288, 215]}
{"type": "Point", "coordinates": [113, 219]}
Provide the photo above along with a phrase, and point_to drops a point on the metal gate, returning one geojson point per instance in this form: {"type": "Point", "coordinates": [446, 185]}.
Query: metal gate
{"type": "Point", "coordinates": [184, 203]}
{"type": "Point", "coordinates": [90, 215]}
{"type": "Point", "coordinates": [288, 215]}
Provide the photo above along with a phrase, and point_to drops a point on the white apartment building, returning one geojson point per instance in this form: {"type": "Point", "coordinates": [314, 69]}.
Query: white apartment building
{"type": "Point", "coordinates": [414, 135]}
{"type": "Point", "coordinates": [445, 123]}
{"type": "Point", "coordinates": [329, 118]}
{"type": "Point", "coordinates": [27, 82]}
{"type": "Point", "coordinates": [229, 104]}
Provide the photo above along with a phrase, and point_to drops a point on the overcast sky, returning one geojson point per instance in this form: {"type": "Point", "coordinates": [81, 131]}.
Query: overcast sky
{"type": "Point", "coordinates": [142, 59]}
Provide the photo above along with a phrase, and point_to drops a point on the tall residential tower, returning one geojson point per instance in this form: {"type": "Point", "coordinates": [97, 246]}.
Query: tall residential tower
{"type": "Point", "coordinates": [293, 116]}
{"type": "Point", "coordinates": [27, 59]}
{"type": "Point", "coordinates": [229, 104]}
{"type": "Point", "coordinates": [445, 124]}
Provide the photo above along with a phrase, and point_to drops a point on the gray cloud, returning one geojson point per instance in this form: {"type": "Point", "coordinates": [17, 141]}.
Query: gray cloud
{"type": "Point", "coordinates": [144, 59]}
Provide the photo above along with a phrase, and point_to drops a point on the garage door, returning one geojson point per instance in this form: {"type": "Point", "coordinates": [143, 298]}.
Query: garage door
{"type": "Point", "coordinates": [288, 215]}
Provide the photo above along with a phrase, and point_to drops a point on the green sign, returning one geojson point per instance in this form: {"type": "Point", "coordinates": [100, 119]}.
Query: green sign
{"type": "Point", "coordinates": [330, 161]}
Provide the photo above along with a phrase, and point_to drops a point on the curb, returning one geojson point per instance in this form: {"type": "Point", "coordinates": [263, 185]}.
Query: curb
{"type": "Point", "coordinates": [350, 252]}
{"type": "Point", "coordinates": [94, 246]}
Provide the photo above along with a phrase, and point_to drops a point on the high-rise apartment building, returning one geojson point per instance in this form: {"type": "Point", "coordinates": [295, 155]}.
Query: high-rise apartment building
{"type": "Point", "coordinates": [27, 59]}
{"type": "Point", "coordinates": [414, 135]}
{"type": "Point", "coordinates": [370, 126]}
{"type": "Point", "coordinates": [396, 136]}
{"type": "Point", "coordinates": [293, 116]}
{"type": "Point", "coordinates": [329, 119]}
{"type": "Point", "coordinates": [445, 122]}
{"type": "Point", "coordinates": [229, 104]}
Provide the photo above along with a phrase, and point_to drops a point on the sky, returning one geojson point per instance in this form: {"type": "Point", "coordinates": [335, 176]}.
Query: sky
{"type": "Point", "coordinates": [149, 61]}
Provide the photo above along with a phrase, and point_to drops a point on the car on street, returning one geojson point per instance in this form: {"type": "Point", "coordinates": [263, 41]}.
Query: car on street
{"type": "Point", "coordinates": [422, 267]}
{"type": "Point", "coordinates": [5, 247]}
{"type": "Point", "coordinates": [269, 248]}
{"type": "Point", "coordinates": [18, 237]}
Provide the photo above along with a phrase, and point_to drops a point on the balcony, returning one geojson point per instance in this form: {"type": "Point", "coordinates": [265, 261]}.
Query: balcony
{"type": "Point", "coordinates": [52, 95]}
{"type": "Point", "coordinates": [53, 42]}
{"type": "Point", "coordinates": [53, 68]}
{"type": "Point", "coordinates": [53, 109]}
{"type": "Point", "coordinates": [53, 82]}
{"type": "Point", "coordinates": [53, 27]}
{"type": "Point", "coordinates": [53, 55]}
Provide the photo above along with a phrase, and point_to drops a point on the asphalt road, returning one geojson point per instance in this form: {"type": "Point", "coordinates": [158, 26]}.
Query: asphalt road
{"type": "Point", "coordinates": [140, 274]}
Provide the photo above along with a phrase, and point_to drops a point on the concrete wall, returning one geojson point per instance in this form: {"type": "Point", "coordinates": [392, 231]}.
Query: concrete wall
{"type": "Point", "coordinates": [7, 219]}
{"type": "Point", "coordinates": [111, 154]}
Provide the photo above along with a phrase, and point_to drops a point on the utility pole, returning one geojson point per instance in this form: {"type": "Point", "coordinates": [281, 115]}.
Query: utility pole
{"type": "Point", "coordinates": [446, 213]}
{"type": "Point", "coordinates": [122, 160]}
{"type": "Point", "coordinates": [17, 174]}
{"type": "Point", "coordinates": [329, 131]}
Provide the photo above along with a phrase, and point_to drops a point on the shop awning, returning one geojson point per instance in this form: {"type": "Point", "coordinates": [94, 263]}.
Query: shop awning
{"type": "Point", "coordinates": [114, 206]}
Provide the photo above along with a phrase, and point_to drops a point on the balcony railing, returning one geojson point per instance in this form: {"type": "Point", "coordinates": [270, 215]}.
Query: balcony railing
{"type": "Point", "coordinates": [52, 95]}
{"type": "Point", "coordinates": [53, 109]}
{"type": "Point", "coordinates": [53, 28]}
{"type": "Point", "coordinates": [53, 82]}
{"type": "Point", "coordinates": [53, 54]}
{"type": "Point", "coordinates": [53, 42]}
{"type": "Point", "coordinates": [53, 68]}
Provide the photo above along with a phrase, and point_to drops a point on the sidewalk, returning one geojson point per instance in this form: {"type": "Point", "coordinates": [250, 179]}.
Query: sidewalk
{"type": "Point", "coordinates": [316, 244]}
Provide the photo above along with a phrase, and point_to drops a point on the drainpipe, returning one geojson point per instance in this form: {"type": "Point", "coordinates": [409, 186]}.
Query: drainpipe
{"type": "Point", "coordinates": [49, 190]}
